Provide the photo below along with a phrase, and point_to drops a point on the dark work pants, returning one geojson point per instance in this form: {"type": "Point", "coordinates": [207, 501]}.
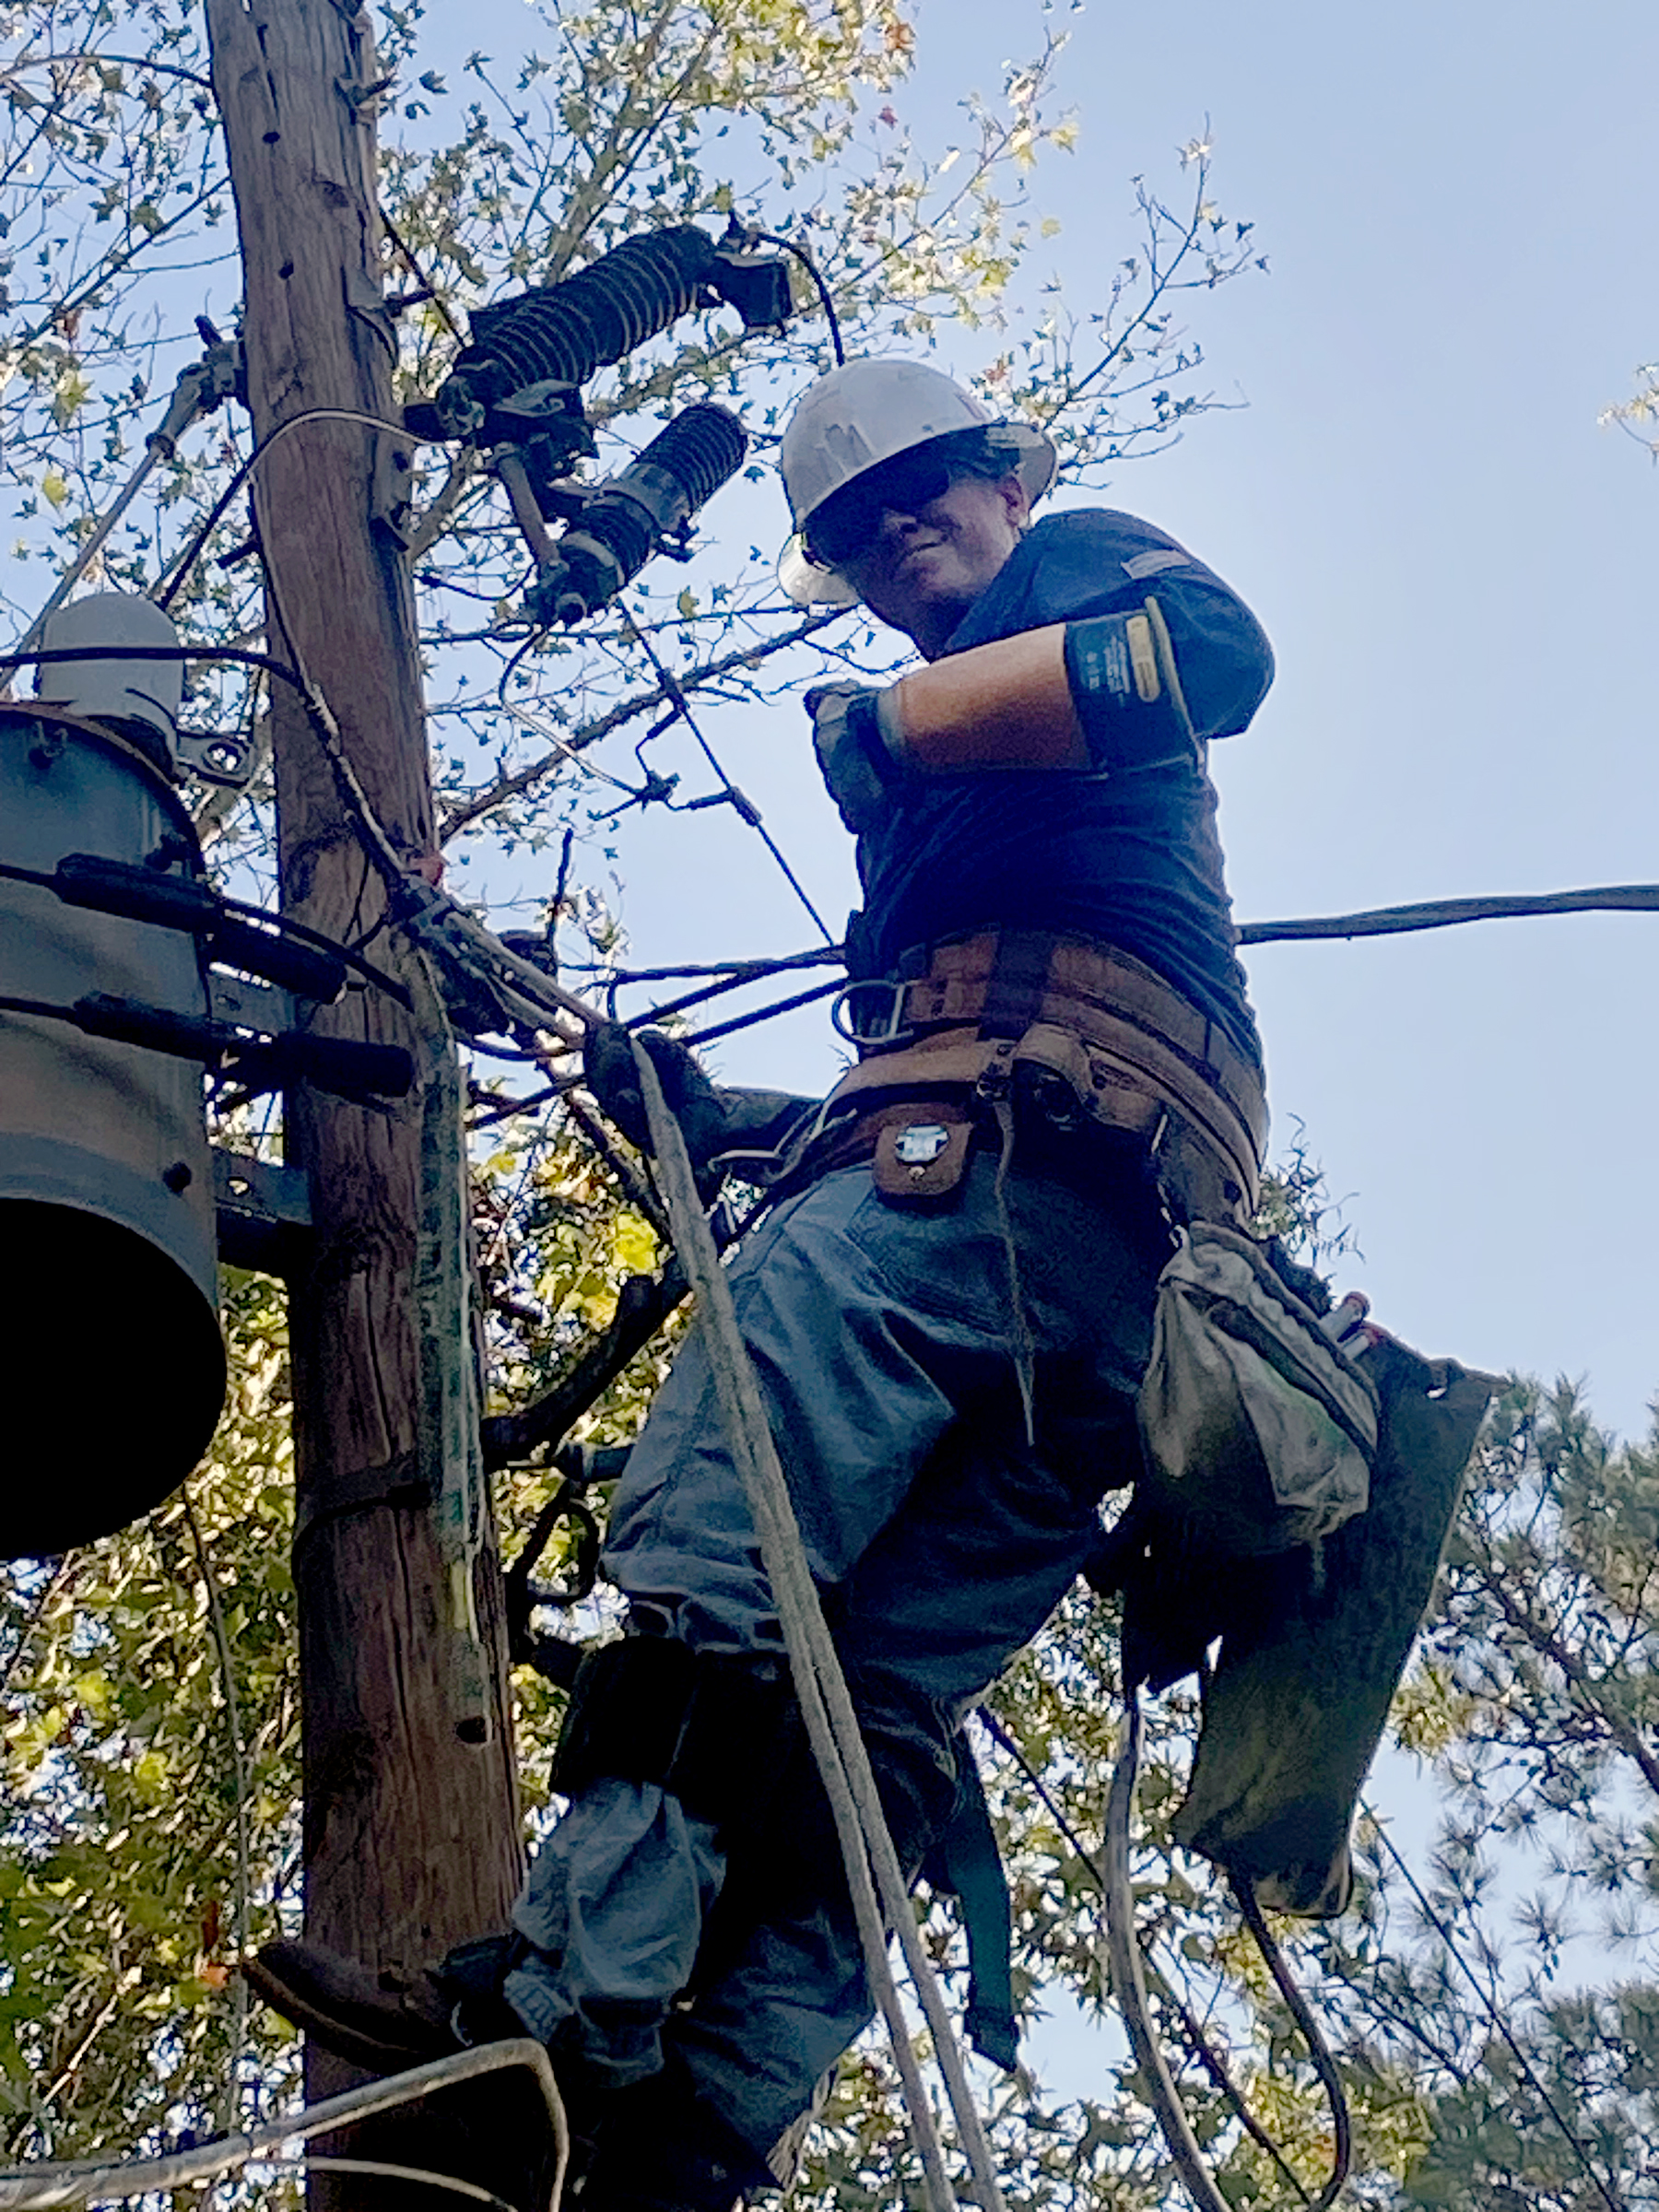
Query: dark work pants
{"type": "Point", "coordinates": [940, 1533]}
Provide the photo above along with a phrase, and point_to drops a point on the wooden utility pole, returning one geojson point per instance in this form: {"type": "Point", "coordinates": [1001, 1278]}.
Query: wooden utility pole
{"type": "Point", "coordinates": [411, 1833]}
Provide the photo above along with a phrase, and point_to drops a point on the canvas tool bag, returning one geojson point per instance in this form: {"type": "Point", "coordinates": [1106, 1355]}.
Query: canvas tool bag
{"type": "Point", "coordinates": [1259, 1432]}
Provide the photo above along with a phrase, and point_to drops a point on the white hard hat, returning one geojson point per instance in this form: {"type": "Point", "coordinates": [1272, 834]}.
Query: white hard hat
{"type": "Point", "coordinates": [865, 413]}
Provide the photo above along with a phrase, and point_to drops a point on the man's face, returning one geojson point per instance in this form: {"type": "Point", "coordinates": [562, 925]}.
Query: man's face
{"type": "Point", "coordinates": [923, 566]}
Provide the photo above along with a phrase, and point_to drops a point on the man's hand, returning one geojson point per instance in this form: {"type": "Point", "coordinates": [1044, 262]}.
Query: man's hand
{"type": "Point", "coordinates": [613, 1080]}
{"type": "Point", "coordinates": [857, 768]}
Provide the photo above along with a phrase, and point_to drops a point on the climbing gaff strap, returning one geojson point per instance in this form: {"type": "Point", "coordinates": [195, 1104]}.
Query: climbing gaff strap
{"type": "Point", "coordinates": [1129, 1987]}
{"type": "Point", "coordinates": [963, 1861]}
{"type": "Point", "coordinates": [874, 1877]}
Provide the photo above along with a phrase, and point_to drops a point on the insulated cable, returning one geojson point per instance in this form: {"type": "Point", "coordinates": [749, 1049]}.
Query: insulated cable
{"type": "Point", "coordinates": [744, 806]}
{"type": "Point", "coordinates": [736, 975]}
{"type": "Point", "coordinates": [741, 971]}
{"type": "Point", "coordinates": [532, 720]}
{"type": "Point", "coordinates": [1445, 914]}
{"type": "Point", "coordinates": [1128, 1980]}
{"type": "Point", "coordinates": [1129, 1985]}
{"type": "Point", "coordinates": [772, 237]}
{"type": "Point", "coordinates": [93, 545]}
{"type": "Point", "coordinates": [1324, 2065]}
{"type": "Point", "coordinates": [237, 910]}
{"type": "Point", "coordinates": [167, 591]}
{"type": "Point", "coordinates": [749, 1021]}
{"type": "Point", "coordinates": [520, 990]}
{"type": "Point", "coordinates": [1197, 2042]}
{"type": "Point", "coordinates": [200, 390]}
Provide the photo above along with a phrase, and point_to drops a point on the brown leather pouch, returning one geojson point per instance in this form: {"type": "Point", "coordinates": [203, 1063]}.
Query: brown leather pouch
{"type": "Point", "coordinates": [921, 1151]}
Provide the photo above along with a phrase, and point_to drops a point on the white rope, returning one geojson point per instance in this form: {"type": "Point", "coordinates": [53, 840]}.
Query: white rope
{"type": "Point", "coordinates": [832, 1725]}
{"type": "Point", "coordinates": [45, 2188]}
{"type": "Point", "coordinates": [1128, 1982]}
{"type": "Point", "coordinates": [387, 2172]}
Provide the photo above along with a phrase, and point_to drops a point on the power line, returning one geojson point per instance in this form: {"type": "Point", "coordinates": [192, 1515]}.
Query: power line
{"type": "Point", "coordinates": [165, 595]}
{"type": "Point", "coordinates": [1196, 2040]}
{"type": "Point", "coordinates": [1445, 914]}
{"type": "Point", "coordinates": [748, 1021]}
{"type": "Point", "coordinates": [744, 806]}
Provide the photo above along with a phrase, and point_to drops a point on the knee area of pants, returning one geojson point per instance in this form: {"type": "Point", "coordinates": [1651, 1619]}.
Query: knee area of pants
{"type": "Point", "coordinates": [705, 1726]}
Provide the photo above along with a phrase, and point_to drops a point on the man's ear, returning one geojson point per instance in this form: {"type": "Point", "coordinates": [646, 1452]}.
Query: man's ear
{"type": "Point", "coordinates": [1015, 499]}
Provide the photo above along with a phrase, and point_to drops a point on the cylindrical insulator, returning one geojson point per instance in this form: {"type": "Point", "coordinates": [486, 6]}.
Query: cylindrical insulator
{"type": "Point", "coordinates": [110, 1350]}
{"type": "Point", "coordinates": [569, 330]}
{"type": "Point", "coordinates": [701, 449]}
{"type": "Point", "coordinates": [628, 519]}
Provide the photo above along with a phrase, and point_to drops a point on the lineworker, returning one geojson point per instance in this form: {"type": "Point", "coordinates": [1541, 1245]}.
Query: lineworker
{"type": "Point", "coordinates": [949, 1308]}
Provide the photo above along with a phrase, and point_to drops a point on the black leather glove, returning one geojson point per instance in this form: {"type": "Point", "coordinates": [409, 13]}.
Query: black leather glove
{"type": "Point", "coordinates": [607, 1062]}
{"type": "Point", "coordinates": [857, 769]}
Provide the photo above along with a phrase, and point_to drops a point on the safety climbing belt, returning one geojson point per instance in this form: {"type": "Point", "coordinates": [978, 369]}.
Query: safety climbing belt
{"type": "Point", "coordinates": [1111, 1043]}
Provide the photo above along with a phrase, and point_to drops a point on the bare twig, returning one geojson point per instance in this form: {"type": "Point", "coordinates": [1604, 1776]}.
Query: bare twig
{"type": "Point", "coordinates": [626, 711]}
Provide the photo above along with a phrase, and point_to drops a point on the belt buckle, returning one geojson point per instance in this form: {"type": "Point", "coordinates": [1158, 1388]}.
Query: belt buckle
{"type": "Point", "coordinates": [891, 1029]}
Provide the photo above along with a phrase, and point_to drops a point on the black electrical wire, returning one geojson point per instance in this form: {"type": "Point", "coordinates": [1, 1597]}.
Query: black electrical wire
{"type": "Point", "coordinates": [745, 806]}
{"type": "Point", "coordinates": [1445, 914]}
{"type": "Point", "coordinates": [46, 656]}
{"type": "Point", "coordinates": [242, 911]}
{"type": "Point", "coordinates": [772, 238]}
{"type": "Point", "coordinates": [1324, 2065]}
{"type": "Point", "coordinates": [529, 642]}
{"type": "Point", "coordinates": [1200, 2045]}
{"type": "Point", "coordinates": [748, 1021]}
{"type": "Point", "coordinates": [491, 1110]}
{"type": "Point", "coordinates": [742, 971]}
{"type": "Point", "coordinates": [420, 277]}
{"type": "Point", "coordinates": [749, 972]}
{"type": "Point", "coordinates": [532, 719]}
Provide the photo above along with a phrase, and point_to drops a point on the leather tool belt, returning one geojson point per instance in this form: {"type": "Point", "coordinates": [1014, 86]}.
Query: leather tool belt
{"type": "Point", "coordinates": [976, 1019]}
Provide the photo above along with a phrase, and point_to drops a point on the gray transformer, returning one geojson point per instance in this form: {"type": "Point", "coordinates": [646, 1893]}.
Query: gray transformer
{"type": "Point", "coordinates": [111, 1364]}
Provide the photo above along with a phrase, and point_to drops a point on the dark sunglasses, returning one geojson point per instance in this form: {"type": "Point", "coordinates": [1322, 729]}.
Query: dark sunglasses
{"type": "Point", "coordinates": [849, 521]}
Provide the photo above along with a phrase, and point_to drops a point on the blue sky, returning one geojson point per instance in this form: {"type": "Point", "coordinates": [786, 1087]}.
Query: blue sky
{"type": "Point", "coordinates": [1454, 564]}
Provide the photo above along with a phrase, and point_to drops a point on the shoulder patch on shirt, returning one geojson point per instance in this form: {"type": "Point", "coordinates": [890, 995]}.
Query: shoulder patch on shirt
{"type": "Point", "coordinates": [1159, 558]}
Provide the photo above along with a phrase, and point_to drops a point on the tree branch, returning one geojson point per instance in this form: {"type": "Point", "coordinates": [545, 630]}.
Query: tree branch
{"type": "Point", "coordinates": [624, 711]}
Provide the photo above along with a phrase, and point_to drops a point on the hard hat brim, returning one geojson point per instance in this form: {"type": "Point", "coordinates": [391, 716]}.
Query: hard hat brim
{"type": "Point", "coordinates": [1033, 458]}
{"type": "Point", "coordinates": [807, 584]}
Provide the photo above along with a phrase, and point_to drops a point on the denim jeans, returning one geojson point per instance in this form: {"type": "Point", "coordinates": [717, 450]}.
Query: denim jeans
{"type": "Point", "coordinates": [941, 1528]}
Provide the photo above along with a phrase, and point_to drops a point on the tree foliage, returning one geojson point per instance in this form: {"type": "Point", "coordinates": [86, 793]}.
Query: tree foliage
{"type": "Point", "coordinates": [151, 1775]}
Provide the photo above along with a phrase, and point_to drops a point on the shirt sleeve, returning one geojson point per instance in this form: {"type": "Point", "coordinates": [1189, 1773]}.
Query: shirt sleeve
{"type": "Point", "coordinates": [1099, 561]}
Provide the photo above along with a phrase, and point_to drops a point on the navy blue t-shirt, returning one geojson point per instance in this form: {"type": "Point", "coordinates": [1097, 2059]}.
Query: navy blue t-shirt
{"type": "Point", "coordinates": [1134, 860]}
